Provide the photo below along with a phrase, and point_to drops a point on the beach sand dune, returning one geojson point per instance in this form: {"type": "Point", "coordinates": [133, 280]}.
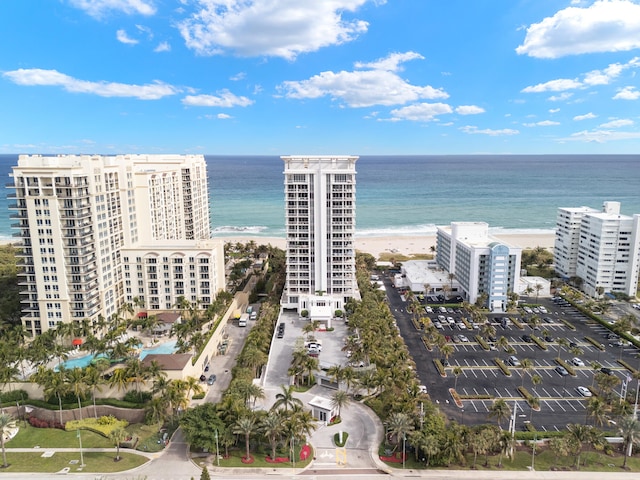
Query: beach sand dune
{"type": "Point", "coordinates": [410, 244]}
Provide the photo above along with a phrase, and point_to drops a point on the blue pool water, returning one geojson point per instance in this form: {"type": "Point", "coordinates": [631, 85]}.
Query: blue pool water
{"type": "Point", "coordinates": [81, 362]}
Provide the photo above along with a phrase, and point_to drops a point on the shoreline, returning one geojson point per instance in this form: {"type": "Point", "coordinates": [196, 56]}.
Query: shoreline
{"type": "Point", "coordinates": [407, 245]}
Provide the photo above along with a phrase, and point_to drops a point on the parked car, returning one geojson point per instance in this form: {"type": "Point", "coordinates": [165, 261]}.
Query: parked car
{"type": "Point", "coordinates": [606, 371]}
{"type": "Point", "coordinates": [513, 360]}
{"type": "Point", "coordinates": [561, 370]}
{"type": "Point", "coordinates": [463, 338]}
{"type": "Point", "coordinates": [548, 319]}
{"type": "Point", "coordinates": [526, 338]}
{"type": "Point", "coordinates": [203, 377]}
{"type": "Point", "coordinates": [577, 362]}
{"type": "Point", "coordinates": [584, 391]}
{"type": "Point", "coordinates": [542, 309]}
{"type": "Point", "coordinates": [549, 339]}
{"type": "Point", "coordinates": [212, 379]}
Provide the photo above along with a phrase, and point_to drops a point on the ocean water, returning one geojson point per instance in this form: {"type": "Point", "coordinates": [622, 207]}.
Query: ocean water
{"type": "Point", "coordinates": [409, 195]}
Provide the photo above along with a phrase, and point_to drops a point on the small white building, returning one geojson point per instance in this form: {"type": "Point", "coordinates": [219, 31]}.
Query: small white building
{"type": "Point", "coordinates": [322, 409]}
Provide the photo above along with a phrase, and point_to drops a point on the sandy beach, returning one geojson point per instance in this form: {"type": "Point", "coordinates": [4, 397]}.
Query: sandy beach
{"type": "Point", "coordinates": [410, 244]}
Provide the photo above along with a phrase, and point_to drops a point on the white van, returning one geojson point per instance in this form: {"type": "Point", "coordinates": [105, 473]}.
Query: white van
{"type": "Point", "coordinates": [242, 321]}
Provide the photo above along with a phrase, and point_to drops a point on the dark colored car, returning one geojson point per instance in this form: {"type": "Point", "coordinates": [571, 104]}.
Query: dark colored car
{"type": "Point", "coordinates": [606, 371]}
{"type": "Point", "coordinates": [526, 338]}
{"type": "Point", "coordinates": [203, 377]}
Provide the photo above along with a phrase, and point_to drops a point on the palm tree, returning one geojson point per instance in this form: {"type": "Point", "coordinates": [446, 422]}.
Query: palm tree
{"type": "Point", "coordinates": [499, 410]}
{"type": "Point", "coordinates": [562, 342]}
{"type": "Point", "coordinates": [597, 408]}
{"type": "Point", "coordinates": [447, 350]}
{"type": "Point", "coordinates": [272, 428]}
{"type": "Point", "coordinates": [245, 425]}
{"type": "Point", "coordinates": [629, 429]}
{"type": "Point", "coordinates": [502, 343]}
{"type": "Point", "coordinates": [430, 445]}
{"type": "Point", "coordinates": [336, 372]}
{"type": "Point", "coordinates": [286, 399]}
{"type": "Point", "coordinates": [526, 365]}
{"type": "Point", "coordinates": [339, 400]}
{"type": "Point", "coordinates": [398, 425]}
{"type": "Point", "coordinates": [580, 434]}
{"type": "Point", "coordinates": [118, 436]}
{"type": "Point", "coordinates": [76, 379]}
{"type": "Point", "coordinates": [536, 380]}
{"type": "Point", "coordinates": [7, 422]}
{"type": "Point", "coordinates": [457, 371]}
{"type": "Point", "coordinates": [193, 385]}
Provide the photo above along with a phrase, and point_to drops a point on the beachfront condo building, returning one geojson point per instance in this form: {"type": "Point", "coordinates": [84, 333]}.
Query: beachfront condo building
{"type": "Point", "coordinates": [320, 221]}
{"type": "Point", "coordinates": [599, 250]}
{"type": "Point", "coordinates": [99, 232]}
{"type": "Point", "coordinates": [481, 265]}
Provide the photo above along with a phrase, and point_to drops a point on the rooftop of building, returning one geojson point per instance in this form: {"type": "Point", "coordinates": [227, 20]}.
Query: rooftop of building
{"type": "Point", "coordinates": [173, 361]}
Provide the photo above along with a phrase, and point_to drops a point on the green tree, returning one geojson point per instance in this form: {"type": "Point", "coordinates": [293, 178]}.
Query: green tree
{"type": "Point", "coordinates": [205, 474]}
{"type": "Point", "coordinates": [272, 427]}
{"type": "Point", "coordinates": [246, 426]}
{"type": "Point", "coordinates": [285, 399]}
{"type": "Point", "coordinates": [7, 422]}
{"type": "Point", "coordinates": [629, 429]}
{"type": "Point", "coordinates": [201, 424]}
{"type": "Point", "coordinates": [398, 425]}
{"type": "Point", "coordinates": [339, 400]}
{"type": "Point", "coordinates": [118, 436]}
{"type": "Point", "coordinates": [499, 410]}
{"type": "Point", "coordinates": [77, 381]}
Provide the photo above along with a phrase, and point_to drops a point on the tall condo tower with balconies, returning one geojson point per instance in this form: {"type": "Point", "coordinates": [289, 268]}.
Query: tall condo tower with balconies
{"type": "Point", "coordinates": [320, 220]}
{"type": "Point", "coordinates": [94, 229]}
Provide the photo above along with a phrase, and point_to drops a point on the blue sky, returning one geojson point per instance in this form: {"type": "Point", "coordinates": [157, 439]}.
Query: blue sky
{"type": "Point", "coordinates": [280, 77]}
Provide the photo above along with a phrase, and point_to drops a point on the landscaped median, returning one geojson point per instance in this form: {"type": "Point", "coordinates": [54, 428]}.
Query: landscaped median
{"type": "Point", "coordinates": [595, 343]}
{"type": "Point", "coordinates": [440, 368]}
{"type": "Point", "coordinates": [483, 343]}
{"type": "Point", "coordinates": [540, 343]}
{"type": "Point", "coordinates": [529, 398]}
{"type": "Point", "coordinates": [569, 368]}
{"type": "Point", "coordinates": [456, 398]}
{"type": "Point", "coordinates": [502, 366]}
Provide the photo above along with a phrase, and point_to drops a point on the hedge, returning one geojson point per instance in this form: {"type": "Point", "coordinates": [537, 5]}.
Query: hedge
{"type": "Point", "coordinates": [567, 324]}
{"type": "Point", "coordinates": [627, 366]}
{"type": "Point", "coordinates": [483, 343]}
{"type": "Point", "coordinates": [517, 323]}
{"type": "Point", "coordinates": [502, 367]}
{"type": "Point", "coordinates": [541, 345]}
{"type": "Point", "coordinates": [485, 396]}
{"type": "Point", "coordinates": [595, 343]}
{"type": "Point", "coordinates": [336, 439]}
{"type": "Point", "coordinates": [567, 367]}
{"type": "Point", "coordinates": [102, 426]}
{"type": "Point", "coordinates": [440, 367]}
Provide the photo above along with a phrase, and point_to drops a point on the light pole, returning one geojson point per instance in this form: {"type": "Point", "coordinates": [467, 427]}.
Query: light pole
{"type": "Point", "coordinates": [81, 454]}
{"type": "Point", "coordinates": [404, 444]}
{"type": "Point", "coordinates": [217, 449]}
{"type": "Point", "coordinates": [293, 454]}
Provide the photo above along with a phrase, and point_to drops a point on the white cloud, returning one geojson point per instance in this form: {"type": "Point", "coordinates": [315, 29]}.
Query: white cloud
{"type": "Point", "coordinates": [586, 116]}
{"type": "Point", "coordinates": [162, 47]}
{"type": "Point", "coordinates": [422, 112]}
{"type": "Point", "coordinates": [554, 110]}
{"type": "Point", "coordinates": [391, 63]}
{"type": "Point", "coordinates": [558, 85]}
{"type": "Point", "coordinates": [604, 26]}
{"type": "Point", "coordinates": [601, 136]}
{"type": "Point", "coordinates": [284, 28]}
{"type": "Point", "coordinates": [627, 93]}
{"type": "Point", "coordinates": [223, 116]}
{"type": "Point", "coordinates": [225, 99]}
{"type": "Point", "coordinates": [613, 71]}
{"type": "Point", "coordinates": [469, 110]}
{"type": "Point", "coordinates": [542, 123]}
{"type": "Point", "coordinates": [122, 37]}
{"type": "Point", "coordinates": [361, 88]}
{"type": "Point", "coordinates": [238, 76]}
{"type": "Point", "coordinates": [98, 8]}
{"type": "Point", "coordinates": [560, 98]}
{"type": "Point", "coordinates": [617, 123]}
{"type": "Point", "coordinates": [472, 130]}
{"type": "Point", "coordinates": [39, 77]}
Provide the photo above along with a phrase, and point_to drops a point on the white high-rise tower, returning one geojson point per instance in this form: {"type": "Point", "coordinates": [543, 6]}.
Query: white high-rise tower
{"type": "Point", "coordinates": [320, 220]}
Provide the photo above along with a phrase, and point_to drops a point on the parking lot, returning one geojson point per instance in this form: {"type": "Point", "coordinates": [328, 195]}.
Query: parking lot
{"type": "Point", "coordinates": [560, 400]}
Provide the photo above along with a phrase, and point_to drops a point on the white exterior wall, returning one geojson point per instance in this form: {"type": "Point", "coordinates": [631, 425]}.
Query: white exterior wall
{"type": "Point", "coordinates": [76, 213]}
{"type": "Point", "coordinates": [601, 247]}
{"type": "Point", "coordinates": [320, 223]}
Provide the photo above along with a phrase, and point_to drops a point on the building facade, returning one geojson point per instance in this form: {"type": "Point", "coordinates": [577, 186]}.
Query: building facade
{"type": "Point", "coordinates": [320, 220]}
{"type": "Point", "coordinates": [599, 247]}
{"type": "Point", "coordinates": [76, 216]}
{"type": "Point", "coordinates": [481, 264]}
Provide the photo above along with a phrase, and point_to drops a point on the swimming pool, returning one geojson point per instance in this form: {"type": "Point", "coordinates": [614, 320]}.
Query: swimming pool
{"type": "Point", "coordinates": [82, 362]}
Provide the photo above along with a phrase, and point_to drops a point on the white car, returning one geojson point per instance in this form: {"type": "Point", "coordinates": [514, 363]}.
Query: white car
{"type": "Point", "coordinates": [463, 338]}
{"type": "Point", "coordinates": [542, 309]}
{"type": "Point", "coordinates": [438, 325]}
{"type": "Point", "coordinates": [577, 362]}
{"type": "Point", "coordinates": [422, 389]}
{"type": "Point", "coordinates": [584, 391]}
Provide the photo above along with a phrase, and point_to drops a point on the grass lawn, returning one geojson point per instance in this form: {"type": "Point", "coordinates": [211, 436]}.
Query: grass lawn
{"type": "Point", "coordinates": [94, 462]}
{"type": "Point", "coordinates": [29, 437]}
{"type": "Point", "coordinates": [148, 435]}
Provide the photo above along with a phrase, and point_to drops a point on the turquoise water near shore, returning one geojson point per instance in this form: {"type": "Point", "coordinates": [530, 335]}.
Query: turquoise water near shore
{"type": "Point", "coordinates": [409, 195]}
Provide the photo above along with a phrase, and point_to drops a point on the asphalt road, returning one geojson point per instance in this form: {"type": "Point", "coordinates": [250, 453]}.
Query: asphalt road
{"type": "Point", "coordinates": [560, 402]}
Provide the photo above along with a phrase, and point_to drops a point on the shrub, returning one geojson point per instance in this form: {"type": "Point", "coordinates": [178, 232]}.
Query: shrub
{"type": "Point", "coordinates": [541, 345]}
{"type": "Point", "coordinates": [41, 423]}
{"type": "Point", "coordinates": [13, 396]}
{"type": "Point", "coordinates": [595, 343]}
{"type": "Point", "coordinates": [567, 367]}
{"type": "Point", "coordinates": [103, 425]}
{"type": "Point", "coordinates": [502, 367]}
{"type": "Point", "coordinates": [567, 324]}
{"type": "Point", "coordinates": [133, 396]}
{"type": "Point", "coordinates": [336, 439]}
{"type": "Point", "coordinates": [198, 396]}
{"type": "Point", "coordinates": [517, 323]}
{"type": "Point", "coordinates": [483, 343]}
{"type": "Point", "coordinates": [440, 367]}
